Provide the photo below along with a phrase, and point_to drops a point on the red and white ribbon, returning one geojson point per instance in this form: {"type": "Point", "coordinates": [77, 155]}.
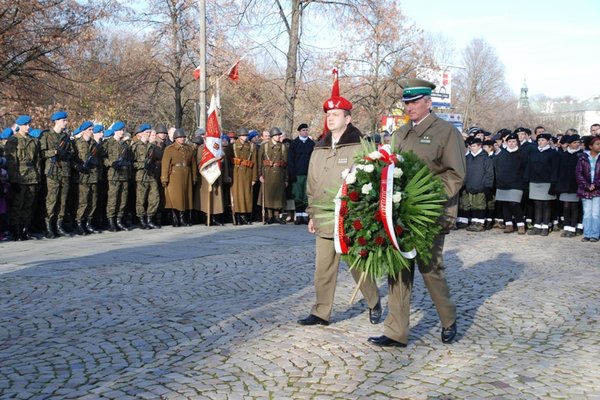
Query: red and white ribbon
{"type": "Point", "coordinates": [338, 231]}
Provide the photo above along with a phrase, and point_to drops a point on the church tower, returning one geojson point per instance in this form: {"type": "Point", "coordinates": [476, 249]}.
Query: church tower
{"type": "Point", "coordinates": [523, 99]}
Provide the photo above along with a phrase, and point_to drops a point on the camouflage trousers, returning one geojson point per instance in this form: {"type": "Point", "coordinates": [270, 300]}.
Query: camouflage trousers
{"type": "Point", "coordinates": [56, 199]}
{"type": "Point", "coordinates": [147, 198]}
{"type": "Point", "coordinates": [472, 201]}
{"type": "Point", "coordinates": [117, 198]}
{"type": "Point", "coordinates": [22, 205]}
{"type": "Point", "coordinates": [87, 200]}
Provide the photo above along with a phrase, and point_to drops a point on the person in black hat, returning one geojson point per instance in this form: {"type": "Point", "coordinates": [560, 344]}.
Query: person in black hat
{"type": "Point", "coordinates": [478, 185]}
{"type": "Point", "coordinates": [541, 173]}
{"type": "Point", "coordinates": [440, 145]}
{"type": "Point", "coordinates": [300, 151]}
{"type": "Point", "coordinates": [566, 184]}
{"type": "Point", "coordinates": [509, 167]}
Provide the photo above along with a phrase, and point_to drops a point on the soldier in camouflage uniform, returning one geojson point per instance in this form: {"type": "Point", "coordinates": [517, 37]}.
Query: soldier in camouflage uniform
{"type": "Point", "coordinates": [22, 157]}
{"type": "Point", "coordinates": [117, 160]}
{"type": "Point", "coordinates": [146, 185]}
{"type": "Point", "coordinates": [272, 159]}
{"type": "Point", "coordinates": [88, 168]}
{"type": "Point", "coordinates": [57, 153]}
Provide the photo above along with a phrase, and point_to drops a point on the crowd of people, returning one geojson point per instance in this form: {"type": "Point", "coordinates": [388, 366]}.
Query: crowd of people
{"type": "Point", "coordinates": [58, 183]}
{"type": "Point", "coordinates": [532, 182]}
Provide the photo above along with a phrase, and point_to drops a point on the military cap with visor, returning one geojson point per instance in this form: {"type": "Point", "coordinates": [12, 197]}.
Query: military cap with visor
{"type": "Point", "coordinates": [415, 89]}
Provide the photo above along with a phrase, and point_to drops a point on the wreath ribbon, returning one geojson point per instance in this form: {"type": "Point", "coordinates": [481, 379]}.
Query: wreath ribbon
{"type": "Point", "coordinates": [338, 231]}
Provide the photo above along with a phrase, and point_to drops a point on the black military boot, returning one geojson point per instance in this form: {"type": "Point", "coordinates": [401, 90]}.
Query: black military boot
{"type": "Point", "coordinates": [16, 233]}
{"type": "Point", "coordinates": [175, 219]}
{"type": "Point", "coordinates": [89, 228]}
{"type": "Point", "coordinates": [60, 230]}
{"type": "Point", "coordinates": [81, 231]}
{"type": "Point", "coordinates": [111, 225]}
{"type": "Point", "coordinates": [25, 234]}
{"type": "Point", "coordinates": [242, 220]}
{"type": "Point", "coordinates": [143, 223]}
{"type": "Point", "coordinates": [49, 231]}
{"type": "Point", "coordinates": [183, 219]}
{"type": "Point", "coordinates": [120, 224]}
{"type": "Point", "coordinates": [150, 222]}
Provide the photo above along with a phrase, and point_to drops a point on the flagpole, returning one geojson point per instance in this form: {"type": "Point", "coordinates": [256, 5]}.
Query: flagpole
{"type": "Point", "coordinates": [202, 97]}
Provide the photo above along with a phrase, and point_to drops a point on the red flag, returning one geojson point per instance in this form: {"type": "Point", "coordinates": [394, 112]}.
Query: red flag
{"type": "Point", "coordinates": [197, 73]}
{"type": "Point", "coordinates": [233, 72]}
{"type": "Point", "coordinates": [211, 154]}
{"type": "Point", "coordinates": [335, 91]}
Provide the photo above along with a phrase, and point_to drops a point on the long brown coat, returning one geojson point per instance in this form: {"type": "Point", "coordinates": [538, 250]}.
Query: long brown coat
{"type": "Point", "coordinates": [207, 200]}
{"type": "Point", "coordinates": [178, 174]}
{"type": "Point", "coordinates": [245, 171]}
{"type": "Point", "coordinates": [272, 158]}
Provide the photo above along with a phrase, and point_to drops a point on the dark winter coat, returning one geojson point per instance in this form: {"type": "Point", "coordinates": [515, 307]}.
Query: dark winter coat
{"type": "Point", "coordinates": [509, 169]}
{"type": "Point", "coordinates": [298, 157]}
{"type": "Point", "coordinates": [480, 173]}
{"type": "Point", "coordinates": [542, 166]}
{"type": "Point", "coordinates": [567, 162]}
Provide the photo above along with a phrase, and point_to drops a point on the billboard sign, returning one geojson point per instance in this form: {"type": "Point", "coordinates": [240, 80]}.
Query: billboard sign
{"type": "Point", "coordinates": [442, 94]}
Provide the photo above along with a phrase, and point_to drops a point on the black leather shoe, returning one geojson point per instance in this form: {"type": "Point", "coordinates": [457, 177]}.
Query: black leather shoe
{"type": "Point", "coordinates": [385, 341]}
{"type": "Point", "coordinates": [449, 333]}
{"type": "Point", "coordinates": [313, 320]}
{"type": "Point", "coordinates": [375, 313]}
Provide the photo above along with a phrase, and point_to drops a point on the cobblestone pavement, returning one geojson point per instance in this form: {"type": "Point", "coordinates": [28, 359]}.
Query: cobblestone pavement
{"type": "Point", "coordinates": [210, 313]}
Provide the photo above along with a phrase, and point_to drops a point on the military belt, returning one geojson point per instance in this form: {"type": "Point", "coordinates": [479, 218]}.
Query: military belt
{"type": "Point", "coordinates": [243, 163]}
{"type": "Point", "coordinates": [269, 163]}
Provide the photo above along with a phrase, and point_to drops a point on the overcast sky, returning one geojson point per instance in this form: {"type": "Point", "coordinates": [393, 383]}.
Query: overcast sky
{"type": "Point", "coordinates": [554, 45]}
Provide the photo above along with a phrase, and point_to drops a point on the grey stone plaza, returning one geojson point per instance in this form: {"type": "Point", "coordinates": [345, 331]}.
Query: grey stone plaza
{"type": "Point", "coordinates": [210, 313]}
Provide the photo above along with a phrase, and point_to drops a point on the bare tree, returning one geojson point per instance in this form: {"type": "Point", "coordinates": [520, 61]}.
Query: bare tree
{"type": "Point", "coordinates": [481, 89]}
{"type": "Point", "coordinates": [381, 47]}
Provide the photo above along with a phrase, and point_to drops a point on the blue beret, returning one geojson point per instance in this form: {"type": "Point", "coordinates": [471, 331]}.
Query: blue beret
{"type": "Point", "coordinates": [98, 128]}
{"type": "Point", "coordinates": [36, 133]}
{"type": "Point", "coordinates": [252, 134]}
{"type": "Point", "coordinates": [118, 126]}
{"type": "Point", "coordinates": [58, 115]}
{"type": "Point", "coordinates": [85, 125]}
{"type": "Point", "coordinates": [77, 131]}
{"type": "Point", "coordinates": [224, 137]}
{"type": "Point", "coordinates": [143, 127]}
{"type": "Point", "coordinates": [109, 132]}
{"type": "Point", "coordinates": [23, 120]}
{"type": "Point", "coordinates": [6, 133]}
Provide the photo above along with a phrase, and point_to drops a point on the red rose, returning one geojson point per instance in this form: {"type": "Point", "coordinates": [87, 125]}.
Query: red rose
{"type": "Point", "coordinates": [363, 253]}
{"type": "Point", "coordinates": [354, 195]}
{"type": "Point", "coordinates": [379, 240]}
{"type": "Point", "coordinates": [362, 241]}
{"type": "Point", "coordinates": [377, 216]}
{"type": "Point", "coordinates": [357, 224]}
{"type": "Point", "coordinates": [347, 240]}
{"type": "Point", "coordinates": [399, 230]}
{"type": "Point", "coordinates": [343, 211]}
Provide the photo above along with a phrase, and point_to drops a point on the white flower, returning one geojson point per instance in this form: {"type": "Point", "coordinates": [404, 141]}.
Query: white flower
{"type": "Point", "coordinates": [367, 188]}
{"type": "Point", "coordinates": [359, 167]}
{"type": "Point", "coordinates": [398, 172]}
{"type": "Point", "coordinates": [345, 173]}
{"type": "Point", "coordinates": [396, 197]}
{"type": "Point", "coordinates": [375, 155]}
{"type": "Point", "coordinates": [351, 178]}
{"type": "Point", "coordinates": [369, 168]}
